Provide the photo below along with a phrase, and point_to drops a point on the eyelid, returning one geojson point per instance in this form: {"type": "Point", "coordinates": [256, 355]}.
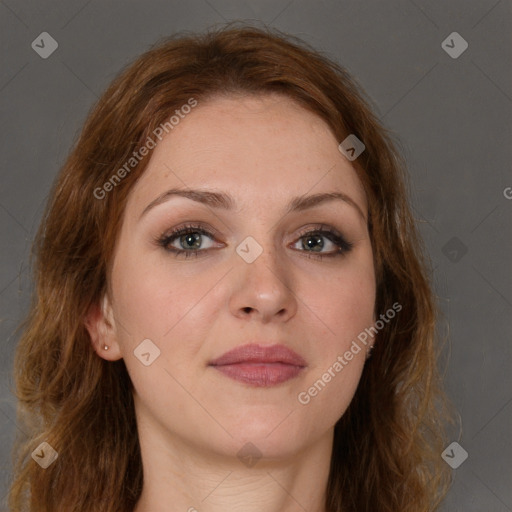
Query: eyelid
{"type": "Point", "coordinates": [316, 228]}
{"type": "Point", "coordinates": [199, 226]}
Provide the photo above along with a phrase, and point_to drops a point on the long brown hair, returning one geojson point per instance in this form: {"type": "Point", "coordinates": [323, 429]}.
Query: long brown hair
{"type": "Point", "coordinates": [387, 446]}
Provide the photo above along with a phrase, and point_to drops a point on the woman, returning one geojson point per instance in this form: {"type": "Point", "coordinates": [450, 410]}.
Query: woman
{"type": "Point", "coordinates": [232, 308]}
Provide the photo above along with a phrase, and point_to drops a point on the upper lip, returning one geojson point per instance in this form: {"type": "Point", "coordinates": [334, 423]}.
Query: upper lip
{"type": "Point", "coordinates": [256, 353]}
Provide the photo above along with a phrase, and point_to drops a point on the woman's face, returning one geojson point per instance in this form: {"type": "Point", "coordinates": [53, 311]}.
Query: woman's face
{"type": "Point", "coordinates": [257, 278]}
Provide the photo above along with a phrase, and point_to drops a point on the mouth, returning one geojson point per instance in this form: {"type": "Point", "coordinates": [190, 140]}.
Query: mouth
{"type": "Point", "coordinates": [260, 366]}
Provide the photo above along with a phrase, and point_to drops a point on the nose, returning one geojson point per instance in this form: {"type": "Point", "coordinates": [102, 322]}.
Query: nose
{"type": "Point", "coordinates": [263, 289]}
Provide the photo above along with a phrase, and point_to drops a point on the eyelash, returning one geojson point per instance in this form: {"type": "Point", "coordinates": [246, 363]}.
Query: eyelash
{"type": "Point", "coordinates": [329, 233]}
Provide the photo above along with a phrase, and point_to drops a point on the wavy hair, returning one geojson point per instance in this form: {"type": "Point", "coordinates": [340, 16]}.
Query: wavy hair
{"type": "Point", "coordinates": [387, 445]}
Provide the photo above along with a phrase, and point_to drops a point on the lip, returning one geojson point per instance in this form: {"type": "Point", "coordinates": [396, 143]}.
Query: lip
{"type": "Point", "coordinates": [260, 365]}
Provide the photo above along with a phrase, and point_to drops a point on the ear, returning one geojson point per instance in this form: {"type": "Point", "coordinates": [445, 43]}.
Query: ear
{"type": "Point", "coordinates": [100, 324]}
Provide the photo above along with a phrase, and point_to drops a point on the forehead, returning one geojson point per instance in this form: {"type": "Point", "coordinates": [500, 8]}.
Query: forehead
{"type": "Point", "coordinates": [262, 146]}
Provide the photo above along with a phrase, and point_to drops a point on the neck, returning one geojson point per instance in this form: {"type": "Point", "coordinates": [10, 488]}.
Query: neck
{"type": "Point", "coordinates": [179, 476]}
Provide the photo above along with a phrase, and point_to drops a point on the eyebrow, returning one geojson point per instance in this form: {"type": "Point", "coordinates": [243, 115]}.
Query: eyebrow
{"type": "Point", "coordinates": [226, 202]}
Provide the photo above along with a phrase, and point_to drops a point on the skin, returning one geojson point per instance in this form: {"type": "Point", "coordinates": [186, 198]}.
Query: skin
{"type": "Point", "coordinates": [192, 420]}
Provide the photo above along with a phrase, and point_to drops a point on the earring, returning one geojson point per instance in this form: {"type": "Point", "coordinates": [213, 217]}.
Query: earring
{"type": "Point", "coordinates": [369, 353]}
{"type": "Point", "coordinates": [105, 347]}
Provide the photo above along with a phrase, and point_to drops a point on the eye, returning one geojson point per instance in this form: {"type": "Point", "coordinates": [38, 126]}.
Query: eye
{"type": "Point", "coordinates": [315, 241]}
{"type": "Point", "coordinates": [318, 243]}
{"type": "Point", "coordinates": [186, 241]}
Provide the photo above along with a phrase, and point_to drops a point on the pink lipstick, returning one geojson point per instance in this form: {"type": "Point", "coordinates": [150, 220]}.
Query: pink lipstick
{"type": "Point", "coordinates": [260, 365]}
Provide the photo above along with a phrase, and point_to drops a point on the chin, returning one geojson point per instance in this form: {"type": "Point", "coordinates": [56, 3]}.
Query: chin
{"type": "Point", "coordinates": [274, 435]}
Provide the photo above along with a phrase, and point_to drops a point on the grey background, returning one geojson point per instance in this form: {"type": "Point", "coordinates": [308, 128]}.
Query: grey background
{"type": "Point", "coordinates": [453, 117]}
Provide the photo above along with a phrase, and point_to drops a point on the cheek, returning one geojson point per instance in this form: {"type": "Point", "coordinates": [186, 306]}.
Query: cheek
{"type": "Point", "coordinates": [353, 302]}
{"type": "Point", "coordinates": [162, 303]}
{"type": "Point", "coordinates": [343, 309]}
{"type": "Point", "coordinates": [327, 395]}
{"type": "Point", "coordinates": [172, 310]}
{"type": "Point", "coordinates": [343, 305]}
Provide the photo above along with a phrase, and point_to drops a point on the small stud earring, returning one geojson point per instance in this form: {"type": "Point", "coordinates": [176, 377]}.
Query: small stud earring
{"type": "Point", "coordinates": [369, 353]}
{"type": "Point", "coordinates": [105, 347]}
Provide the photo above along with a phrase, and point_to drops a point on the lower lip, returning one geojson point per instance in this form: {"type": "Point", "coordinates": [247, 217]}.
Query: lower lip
{"type": "Point", "coordinates": [260, 374]}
